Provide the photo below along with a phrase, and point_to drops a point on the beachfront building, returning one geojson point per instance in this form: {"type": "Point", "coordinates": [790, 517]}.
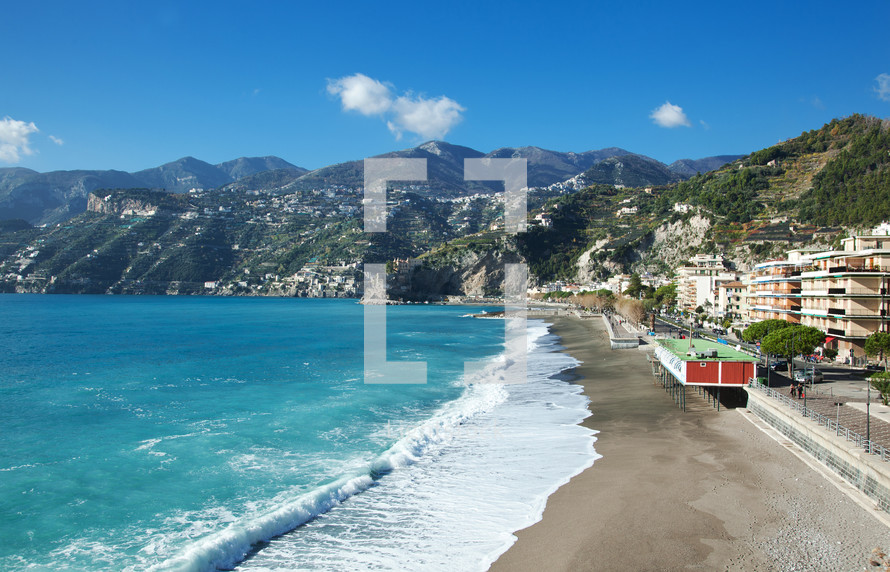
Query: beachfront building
{"type": "Point", "coordinates": [844, 292]}
{"type": "Point", "coordinates": [777, 287]}
{"type": "Point", "coordinates": [709, 367]}
{"type": "Point", "coordinates": [697, 282]}
{"type": "Point", "coordinates": [841, 292]}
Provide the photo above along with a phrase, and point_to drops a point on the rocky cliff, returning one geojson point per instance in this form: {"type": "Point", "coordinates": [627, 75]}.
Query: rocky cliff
{"type": "Point", "coordinates": [132, 202]}
{"type": "Point", "coordinates": [463, 271]}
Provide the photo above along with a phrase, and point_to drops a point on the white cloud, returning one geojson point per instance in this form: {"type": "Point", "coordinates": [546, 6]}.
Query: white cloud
{"type": "Point", "coordinates": [430, 118]}
{"type": "Point", "coordinates": [669, 115]}
{"type": "Point", "coordinates": [14, 139]}
{"type": "Point", "coordinates": [56, 140]}
{"type": "Point", "coordinates": [704, 124]}
{"type": "Point", "coordinates": [883, 87]}
{"type": "Point", "coordinates": [360, 93]}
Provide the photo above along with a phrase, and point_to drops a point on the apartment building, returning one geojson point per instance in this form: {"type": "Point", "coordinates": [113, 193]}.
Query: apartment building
{"type": "Point", "coordinates": [697, 282]}
{"type": "Point", "coordinates": [730, 299]}
{"type": "Point", "coordinates": [841, 292]}
{"type": "Point", "coordinates": [844, 292]}
{"type": "Point", "coordinates": [777, 285]}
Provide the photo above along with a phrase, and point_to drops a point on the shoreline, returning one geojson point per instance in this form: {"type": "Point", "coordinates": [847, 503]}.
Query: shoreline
{"type": "Point", "coordinates": [674, 491]}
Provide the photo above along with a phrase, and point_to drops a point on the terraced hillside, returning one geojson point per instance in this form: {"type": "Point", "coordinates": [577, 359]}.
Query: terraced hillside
{"type": "Point", "coordinates": [809, 190]}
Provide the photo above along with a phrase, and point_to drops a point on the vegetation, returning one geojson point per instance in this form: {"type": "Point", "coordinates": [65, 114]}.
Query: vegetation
{"type": "Point", "coordinates": [878, 344]}
{"type": "Point", "coordinates": [665, 296]}
{"type": "Point", "coordinates": [854, 187]}
{"type": "Point", "coordinates": [758, 331]}
{"type": "Point", "coordinates": [838, 174]}
{"type": "Point", "coordinates": [595, 301]}
{"type": "Point", "coordinates": [732, 195]}
{"type": "Point", "coordinates": [633, 310]}
{"type": "Point", "coordinates": [881, 382]}
{"type": "Point", "coordinates": [14, 225]}
{"type": "Point", "coordinates": [792, 340]}
{"type": "Point", "coordinates": [553, 252]}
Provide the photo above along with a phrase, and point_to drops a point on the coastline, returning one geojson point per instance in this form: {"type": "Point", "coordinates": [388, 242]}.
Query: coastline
{"type": "Point", "coordinates": [674, 491]}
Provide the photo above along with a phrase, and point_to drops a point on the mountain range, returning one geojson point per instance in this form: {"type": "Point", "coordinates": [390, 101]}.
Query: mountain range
{"type": "Point", "coordinates": [53, 197]}
{"type": "Point", "coordinates": [262, 234]}
{"type": "Point", "coordinates": [48, 198]}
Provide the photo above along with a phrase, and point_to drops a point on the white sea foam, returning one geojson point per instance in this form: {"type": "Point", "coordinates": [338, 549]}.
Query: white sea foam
{"type": "Point", "coordinates": [448, 495]}
{"type": "Point", "coordinates": [453, 490]}
{"type": "Point", "coordinates": [225, 548]}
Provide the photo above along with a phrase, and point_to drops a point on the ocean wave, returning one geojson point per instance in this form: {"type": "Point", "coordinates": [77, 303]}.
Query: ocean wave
{"type": "Point", "coordinates": [227, 547]}
{"type": "Point", "coordinates": [454, 502]}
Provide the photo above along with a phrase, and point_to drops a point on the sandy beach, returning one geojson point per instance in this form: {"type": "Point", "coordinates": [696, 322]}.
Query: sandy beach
{"type": "Point", "coordinates": [699, 490]}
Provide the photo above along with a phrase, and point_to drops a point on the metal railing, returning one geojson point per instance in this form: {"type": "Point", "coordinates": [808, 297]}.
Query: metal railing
{"type": "Point", "coordinates": [853, 268]}
{"type": "Point", "coordinates": [832, 425]}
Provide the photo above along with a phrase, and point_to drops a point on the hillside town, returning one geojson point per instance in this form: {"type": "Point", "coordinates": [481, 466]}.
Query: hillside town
{"type": "Point", "coordinates": [842, 292]}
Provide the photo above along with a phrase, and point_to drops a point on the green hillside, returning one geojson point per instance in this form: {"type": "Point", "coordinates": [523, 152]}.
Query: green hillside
{"type": "Point", "coordinates": [142, 241]}
{"type": "Point", "coordinates": [798, 192]}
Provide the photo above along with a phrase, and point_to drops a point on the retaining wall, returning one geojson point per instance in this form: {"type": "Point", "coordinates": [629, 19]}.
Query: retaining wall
{"type": "Point", "coordinates": [866, 472]}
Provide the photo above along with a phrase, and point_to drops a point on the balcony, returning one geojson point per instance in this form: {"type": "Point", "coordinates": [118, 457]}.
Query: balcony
{"type": "Point", "coordinates": [863, 292]}
{"type": "Point", "coordinates": [816, 312]}
{"type": "Point", "coordinates": [851, 268]}
{"type": "Point", "coordinates": [778, 293]}
{"type": "Point", "coordinates": [865, 313]}
{"type": "Point", "coordinates": [814, 293]}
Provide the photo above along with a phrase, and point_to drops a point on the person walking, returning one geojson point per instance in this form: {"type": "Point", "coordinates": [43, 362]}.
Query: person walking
{"type": "Point", "coordinates": [793, 388]}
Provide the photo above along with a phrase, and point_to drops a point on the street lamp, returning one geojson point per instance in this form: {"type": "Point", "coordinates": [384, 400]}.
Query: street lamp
{"type": "Point", "coordinates": [868, 417]}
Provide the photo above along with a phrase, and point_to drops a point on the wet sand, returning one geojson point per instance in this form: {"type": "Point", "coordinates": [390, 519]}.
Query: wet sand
{"type": "Point", "coordinates": [699, 490]}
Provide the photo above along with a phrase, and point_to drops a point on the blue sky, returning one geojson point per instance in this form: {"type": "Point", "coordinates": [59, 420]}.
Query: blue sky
{"type": "Point", "coordinates": [127, 85]}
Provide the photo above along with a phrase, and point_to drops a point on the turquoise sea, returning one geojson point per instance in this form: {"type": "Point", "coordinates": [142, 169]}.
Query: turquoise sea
{"type": "Point", "coordinates": [201, 433]}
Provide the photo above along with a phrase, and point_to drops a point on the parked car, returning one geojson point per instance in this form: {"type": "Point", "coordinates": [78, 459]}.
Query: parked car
{"type": "Point", "coordinates": [808, 376]}
{"type": "Point", "coordinates": [874, 367]}
{"type": "Point", "coordinates": [778, 364]}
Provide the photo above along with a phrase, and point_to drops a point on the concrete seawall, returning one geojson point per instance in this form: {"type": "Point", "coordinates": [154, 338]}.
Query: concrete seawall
{"type": "Point", "coordinates": [620, 342]}
{"type": "Point", "coordinates": [864, 471]}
